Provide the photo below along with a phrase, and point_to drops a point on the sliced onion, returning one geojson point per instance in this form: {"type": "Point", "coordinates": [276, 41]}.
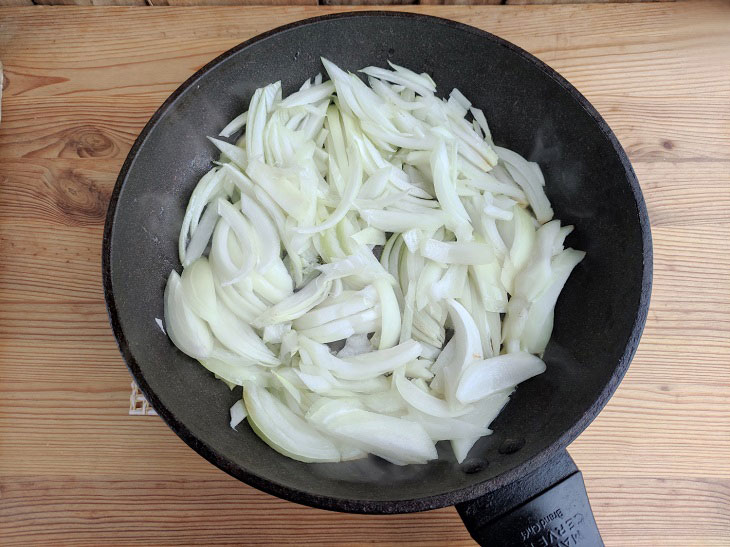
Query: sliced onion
{"type": "Point", "coordinates": [362, 367]}
{"type": "Point", "coordinates": [420, 368]}
{"type": "Point", "coordinates": [235, 220]}
{"type": "Point", "coordinates": [442, 429]}
{"type": "Point", "coordinates": [369, 236]}
{"type": "Point", "coordinates": [206, 190]}
{"type": "Point", "coordinates": [283, 430]}
{"type": "Point", "coordinates": [350, 192]}
{"type": "Point", "coordinates": [467, 349]}
{"type": "Point", "coordinates": [390, 314]}
{"type": "Point", "coordinates": [355, 345]}
{"type": "Point", "coordinates": [399, 441]}
{"type": "Point", "coordinates": [425, 402]}
{"type": "Point", "coordinates": [297, 304]}
{"type": "Point", "coordinates": [238, 413]}
{"type": "Point", "coordinates": [539, 322]}
{"type": "Point", "coordinates": [268, 237]}
{"type": "Point", "coordinates": [358, 323]}
{"type": "Point", "coordinates": [529, 181]}
{"type": "Point", "coordinates": [274, 334]}
{"type": "Point", "coordinates": [186, 330]}
{"type": "Point", "coordinates": [400, 221]}
{"type": "Point", "coordinates": [484, 413]}
{"type": "Point", "coordinates": [444, 183]}
{"type": "Point", "coordinates": [359, 263]}
{"type": "Point", "coordinates": [235, 153]}
{"type": "Point", "coordinates": [322, 314]}
{"type": "Point", "coordinates": [409, 80]}
{"type": "Point", "coordinates": [240, 338]}
{"type": "Point", "coordinates": [484, 378]}
{"type": "Point", "coordinates": [536, 274]}
{"type": "Point", "coordinates": [198, 286]}
{"type": "Point", "coordinates": [471, 240]}
{"type": "Point", "coordinates": [236, 124]}
{"type": "Point", "coordinates": [457, 253]}
{"type": "Point", "coordinates": [310, 95]}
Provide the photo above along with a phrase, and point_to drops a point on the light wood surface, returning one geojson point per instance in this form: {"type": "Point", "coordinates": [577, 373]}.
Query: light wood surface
{"type": "Point", "coordinates": [76, 469]}
{"type": "Point", "coordinates": [150, 3]}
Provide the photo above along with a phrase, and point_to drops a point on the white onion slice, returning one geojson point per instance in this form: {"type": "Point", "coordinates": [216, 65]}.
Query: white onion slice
{"type": "Point", "coordinates": [358, 323]}
{"type": "Point", "coordinates": [364, 366]}
{"type": "Point", "coordinates": [467, 349]}
{"type": "Point", "coordinates": [198, 286]}
{"type": "Point", "coordinates": [322, 314]}
{"type": "Point", "coordinates": [411, 81]}
{"type": "Point", "coordinates": [207, 188]}
{"type": "Point", "coordinates": [484, 378]}
{"type": "Point", "coordinates": [442, 429]}
{"type": "Point", "coordinates": [539, 322]}
{"type": "Point", "coordinates": [444, 184]}
{"type": "Point", "coordinates": [268, 238]}
{"type": "Point", "coordinates": [236, 154]}
{"type": "Point", "coordinates": [350, 192]}
{"type": "Point", "coordinates": [390, 314]}
{"type": "Point", "coordinates": [400, 221]}
{"type": "Point", "coordinates": [236, 124]}
{"type": "Point", "coordinates": [457, 253]}
{"type": "Point", "coordinates": [425, 402]}
{"type": "Point", "coordinates": [235, 220]}
{"type": "Point", "coordinates": [235, 372]}
{"type": "Point", "coordinates": [283, 430]}
{"type": "Point", "coordinates": [186, 330]}
{"type": "Point", "coordinates": [238, 413]}
{"type": "Point", "coordinates": [201, 236]}
{"type": "Point", "coordinates": [297, 304]}
{"type": "Point", "coordinates": [240, 338]}
{"type": "Point", "coordinates": [399, 441]}
{"type": "Point", "coordinates": [310, 95]}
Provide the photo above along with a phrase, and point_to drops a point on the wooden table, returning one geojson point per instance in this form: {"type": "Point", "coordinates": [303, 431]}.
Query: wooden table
{"type": "Point", "coordinates": [75, 468]}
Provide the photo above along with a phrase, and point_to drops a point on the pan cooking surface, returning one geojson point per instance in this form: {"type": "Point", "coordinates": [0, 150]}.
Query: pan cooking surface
{"type": "Point", "coordinates": [531, 110]}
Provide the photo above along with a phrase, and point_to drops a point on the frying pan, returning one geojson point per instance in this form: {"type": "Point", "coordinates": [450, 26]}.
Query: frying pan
{"type": "Point", "coordinates": [518, 486]}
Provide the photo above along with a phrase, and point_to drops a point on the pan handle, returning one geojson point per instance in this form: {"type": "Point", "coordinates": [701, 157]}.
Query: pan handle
{"type": "Point", "coordinates": [547, 508]}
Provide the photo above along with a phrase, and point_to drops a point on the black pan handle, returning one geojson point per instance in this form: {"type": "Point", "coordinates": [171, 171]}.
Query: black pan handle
{"type": "Point", "coordinates": [547, 508]}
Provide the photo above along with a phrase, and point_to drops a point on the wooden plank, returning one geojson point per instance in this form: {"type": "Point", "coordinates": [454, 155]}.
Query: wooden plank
{"type": "Point", "coordinates": [167, 2]}
{"type": "Point", "coordinates": [367, 2]}
{"type": "Point", "coordinates": [602, 49]}
{"type": "Point", "coordinates": [460, 2]}
{"type": "Point", "coordinates": [523, 2]}
{"type": "Point", "coordinates": [549, 2]}
{"type": "Point", "coordinates": [74, 468]}
{"type": "Point", "coordinates": [119, 518]}
{"type": "Point", "coordinates": [291, 2]}
{"type": "Point", "coordinates": [214, 519]}
{"type": "Point", "coordinates": [233, 2]}
{"type": "Point", "coordinates": [90, 2]}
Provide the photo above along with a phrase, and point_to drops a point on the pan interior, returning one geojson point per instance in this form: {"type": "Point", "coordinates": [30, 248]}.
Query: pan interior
{"type": "Point", "coordinates": [529, 111]}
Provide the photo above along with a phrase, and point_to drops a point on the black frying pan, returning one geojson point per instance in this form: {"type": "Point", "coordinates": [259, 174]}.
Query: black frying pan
{"type": "Point", "coordinates": [518, 486]}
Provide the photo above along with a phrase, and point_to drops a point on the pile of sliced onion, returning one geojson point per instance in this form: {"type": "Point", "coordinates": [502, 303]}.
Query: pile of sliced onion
{"type": "Point", "coordinates": [375, 273]}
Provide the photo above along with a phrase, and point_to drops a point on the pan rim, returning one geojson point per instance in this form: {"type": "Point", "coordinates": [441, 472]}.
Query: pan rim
{"type": "Point", "coordinates": [364, 505]}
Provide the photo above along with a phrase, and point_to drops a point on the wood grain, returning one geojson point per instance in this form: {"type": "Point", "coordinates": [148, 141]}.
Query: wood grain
{"type": "Point", "coordinates": [548, 2]}
{"type": "Point", "coordinates": [81, 83]}
{"type": "Point", "coordinates": [289, 2]}
{"type": "Point", "coordinates": [161, 2]}
{"type": "Point", "coordinates": [460, 2]}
